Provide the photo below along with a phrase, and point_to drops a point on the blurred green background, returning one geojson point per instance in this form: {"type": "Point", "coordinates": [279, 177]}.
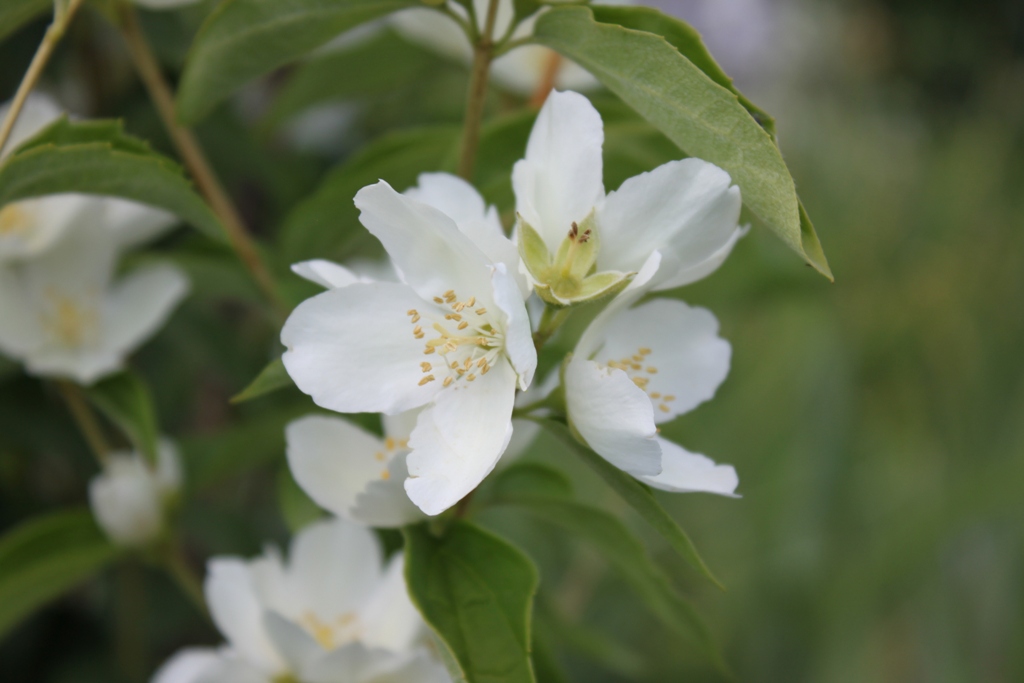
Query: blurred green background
{"type": "Point", "coordinates": [877, 423]}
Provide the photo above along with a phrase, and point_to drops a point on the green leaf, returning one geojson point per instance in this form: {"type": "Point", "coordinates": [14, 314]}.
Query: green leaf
{"type": "Point", "coordinates": [244, 39]}
{"type": "Point", "coordinates": [46, 556]}
{"type": "Point", "coordinates": [379, 65]}
{"type": "Point", "coordinates": [125, 399]}
{"type": "Point", "coordinates": [297, 508]}
{"type": "Point", "coordinates": [97, 157]}
{"type": "Point", "coordinates": [700, 116]}
{"type": "Point", "coordinates": [638, 496]}
{"type": "Point", "coordinates": [538, 493]}
{"type": "Point", "coordinates": [687, 40]}
{"type": "Point", "coordinates": [476, 592]}
{"type": "Point", "coordinates": [270, 379]}
{"type": "Point", "coordinates": [326, 225]}
{"type": "Point", "coordinates": [15, 13]}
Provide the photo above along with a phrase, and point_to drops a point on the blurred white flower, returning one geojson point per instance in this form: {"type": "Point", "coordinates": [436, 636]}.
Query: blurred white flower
{"type": "Point", "coordinates": [567, 228]}
{"type": "Point", "coordinates": [635, 368]}
{"type": "Point", "coordinates": [129, 498]}
{"type": "Point", "coordinates": [164, 4]}
{"type": "Point", "coordinates": [453, 336]}
{"type": "Point", "coordinates": [522, 70]}
{"type": "Point", "coordinates": [63, 313]}
{"type": "Point", "coordinates": [334, 613]}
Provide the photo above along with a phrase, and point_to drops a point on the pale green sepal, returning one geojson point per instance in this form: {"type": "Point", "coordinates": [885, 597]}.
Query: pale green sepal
{"type": "Point", "coordinates": [532, 249]}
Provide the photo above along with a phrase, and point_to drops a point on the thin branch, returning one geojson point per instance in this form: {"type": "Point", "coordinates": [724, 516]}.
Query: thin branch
{"type": "Point", "coordinates": [192, 154]}
{"type": "Point", "coordinates": [61, 18]}
{"type": "Point", "coordinates": [86, 420]}
{"type": "Point", "coordinates": [483, 53]}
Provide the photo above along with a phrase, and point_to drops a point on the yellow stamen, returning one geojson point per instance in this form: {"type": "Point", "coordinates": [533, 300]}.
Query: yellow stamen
{"type": "Point", "coordinates": [385, 475]}
{"type": "Point", "coordinates": [656, 394]}
{"type": "Point", "coordinates": [427, 351]}
{"type": "Point", "coordinates": [425, 366]}
{"type": "Point", "coordinates": [652, 370]}
{"type": "Point", "coordinates": [463, 325]}
{"type": "Point", "coordinates": [470, 377]}
{"type": "Point", "coordinates": [438, 300]}
{"type": "Point", "coordinates": [416, 318]}
{"type": "Point", "coordinates": [411, 311]}
{"type": "Point", "coordinates": [480, 311]}
{"type": "Point", "coordinates": [428, 378]}
{"type": "Point", "coordinates": [670, 397]}
{"type": "Point", "coordinates": [389, 443]}
{"type": "Point", "coordinates": [379, 455]}
{"type": "Point", "coordinates": [644, 350]}
{"type": "Point", "coordinates": [448, 380]}
{"type": "Point", "coordinates": [664, 408]}
{"type": "Point", "coordinates": [472, 300]}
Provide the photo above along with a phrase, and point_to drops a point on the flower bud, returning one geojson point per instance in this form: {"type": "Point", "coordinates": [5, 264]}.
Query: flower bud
{"type": "Point", "coordinates": [130, 498]}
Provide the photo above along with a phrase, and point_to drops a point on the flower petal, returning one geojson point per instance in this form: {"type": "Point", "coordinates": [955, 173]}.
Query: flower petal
{"type": "Point", "coordinates": [684, 361]}
{"type": "Point", "coordinates": [518, 335]}
{"type": "Point", "coordinates": [335, 564]}
{"type": "Point", "coordinates": [687, 209]}
{"type": "Point", "coordinates": [31, 226]}
{"type": "Point", "coordinates": [686, 472]}
{"type": "Point", "coordinates": [327, 274]}
{"type": "Point", "coordinates": [458, 439]}
{"type": "Point", "coordinates": [238, 612]}
{"type": "Point", "coordinates": [593, 336]}
{"type": "Point", "coordinates": [353, 349]}
{"type": "Point", "coordinates": [613, 415]}
{"type": "Point", "coordinates": [350, 662]}
{"type": "Point", "coordinates": [139, 304]}
{"type": "Point", "coordinates": [426, 247]}
{"type": "Point", "coordinates": [22, 331]}
{"type": "Point", "coordinates": [133, 224]}
{"type": "Point", "coordinates": [390, 620]}
{"type": "Point", "coordinates": [296, 647]}
{"type": "Point", "coordinates": [560, 179]}
{"type": "Point", "coordinates": [384, 502]}
{"type": "Point", "coordinates": [207, 665]}
{"type": "Point", "coordinates": [38, 112]}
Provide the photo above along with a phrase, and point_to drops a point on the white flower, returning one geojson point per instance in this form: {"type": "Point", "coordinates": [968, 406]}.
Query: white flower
{"type": "Point", "coordinates": [31, 226]}
{"type": "Point", "coordinates": [453, 336]}
{"type": "Point", "coordinates": [334, 613]}
{"type": "Point", "coordinates": [64, 316]}
{"type": "Point", "coordinates": [129, 498]}
{"type": "Point", "coordinates": [522, 70]}
{"type": "Point", "coordinates": [635, 368]}
{"type": "Point", "coordinates": [579, 244]}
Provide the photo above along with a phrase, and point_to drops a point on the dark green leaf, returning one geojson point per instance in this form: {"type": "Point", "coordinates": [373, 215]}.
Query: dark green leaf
{"type": "Point", "coordinates": [270, 379]}
{"type": "Point", "coordinates": [703, 118]}
{"type": "Point", "coordinates": [125, 399]}
{"type": "Point", "coordinates": [244, 39]}
{"type": "Point", "coordinates": [612, 655]}
{"type": "Point", "coordinates": [97, 157]}
{"type": "Point", "coordinates": [377, 66]}
{"type": "Point", "coordinates": [638, 496]}
{"type": "Point", "coordinates": [15, 13]}
{"type": "Point", "coordinates": [327, 224]}
{"type": "Point", "coordinates": [476, 592]}
{"type": "Point", "coordinates": [46, 556]}
{"type": "Point", "coordinates": [537, 490]}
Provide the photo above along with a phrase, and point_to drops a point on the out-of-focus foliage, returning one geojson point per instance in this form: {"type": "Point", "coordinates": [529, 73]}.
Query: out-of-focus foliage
{"type": "Point", "coordinates": [876, 422]}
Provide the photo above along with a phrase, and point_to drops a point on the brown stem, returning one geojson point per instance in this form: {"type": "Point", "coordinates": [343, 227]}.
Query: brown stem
{"type": "Point", "coordinates": [54, 33]}
{"type": "Point", "coordinates": [85, 418]}
{"type": "Point", "coordinates": [483, 53]}
{"type": "Point", "coordinates": [552, 64]}
{"type": "Point", "coordinates": [192, 154]}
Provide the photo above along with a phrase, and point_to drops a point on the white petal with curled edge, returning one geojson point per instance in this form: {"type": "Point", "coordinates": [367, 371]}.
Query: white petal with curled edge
{"type": "Point", "coordinates": [191, 665]}
{"type": "Point", "coordinates": [296, 647]}
{"type": "Point", "coordinates": [458, 439]}
{"type": "Point", "coordinates": [560, 179]}
{"type": "Point", "coordinates": [140, 303]}
{"type": "Point", "coordinates": [327, 274]}
{"type": "Point", "coordinates": [686, 472]}
{"type": "Point", "coordinates": [688, 359]}
{"type": "Point", "coordinates": [679, 275]}
{"type": "Point", "coordinates": [353, 349]}
{"type": "Point", "coordinates": [384, 502]}
{"type": "Point", "coordinates": [333, 460]}
{"type": "Point", "coordinates": [613, 415]}
{"type": "Point", "coordinates": [518, 334]}
{"type": "Point", "coordinates": [238, 612]}
{"type": "Point", "coordinates": [335, 564]}
{"type": "Point", "coordinates": [133, 223]}
{"type": "Point", "coordinates": [426, 247]}
{"type": "Point", "coordinates": [686, 209]}
{"type": "Point", "coordinates": [390, 621]}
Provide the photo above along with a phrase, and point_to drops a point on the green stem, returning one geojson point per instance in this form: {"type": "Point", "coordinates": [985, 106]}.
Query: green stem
{"type": "Point", "coordinates": [483, 54]}
{"type": "Point", "coordinates": [192, 154]}
{"type": "Point", "coordinates": [179, 570]}
{"type": "Point", "coordinates": [550, 321]}
{"type": "Point", "coordinates": [86, 420]}
{"type": "Point", "coordinates": [61, 18]}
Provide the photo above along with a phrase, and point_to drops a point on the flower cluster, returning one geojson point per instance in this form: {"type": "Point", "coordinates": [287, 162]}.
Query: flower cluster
{"type": "Point", "coordinates": [444, 347]}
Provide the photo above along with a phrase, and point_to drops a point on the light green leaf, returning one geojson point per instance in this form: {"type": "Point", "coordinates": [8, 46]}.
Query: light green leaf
{"type": "Point", "coordinates": [380, 65]}
{"type": "Point", "coordinates": [271, 378]}
{"type": "Point", "coordinates": [244, 39]}
{"type": "Point", "coordinates": [326, 225]}
{"type": "Point", "coordinates": [125, 399]}
{"type": "Point", "coordinates": [638, 496]}
{"type": "Point", "coordinates": [539, 491]}
{"type": "Point", "coordinates": [15, 13]}
{"type": "Point", "coordinates": [476, 592]}
{"type": "Point", "coordinates": [703, 118]}
{"type": "Point", "coordinates": [42, 558]}
{"type": "Point", "coordinates": [98, 157]}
